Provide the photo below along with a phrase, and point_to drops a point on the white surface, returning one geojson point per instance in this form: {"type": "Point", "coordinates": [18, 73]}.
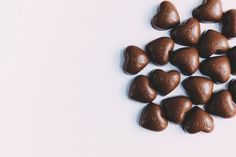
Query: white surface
{"type": "Point", "coordinates": [62, 90]}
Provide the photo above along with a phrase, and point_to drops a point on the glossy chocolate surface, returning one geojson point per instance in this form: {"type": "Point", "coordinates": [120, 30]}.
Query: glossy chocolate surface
{"type": "Point", "coordinates": [165, 82]}
{"type": "Point", "coordinates": [217, 68]}
{"type": "Point", "coordinates": [152, 119]}
{"type": "Point", "coordinates": [187, 33]}
{"type": "Point", "coordinates": [135, 60]}
{"type": "Point", "coordinates": [197, 120]}
{"type": "Point", "coordinates": [229, 23]}
{"type": "Point", "coordinates": [221, 104]}
{"type": "Point", "coordinates": [166, 17]}
{"type": "Point", "coordinates": [209, 11]}
{"type": "Point", "coordinates": [159, 50]}
{"type": "Point", "coordinates": [141, 90]}
{"type": "Point", "coordinates": [186, 59]}
{"type": "Point", "coordinates": [199, 89]}
{"type": "Point", "coordinates": [175, 108]}
{"type": "Point", "coordinates": [212, 42]}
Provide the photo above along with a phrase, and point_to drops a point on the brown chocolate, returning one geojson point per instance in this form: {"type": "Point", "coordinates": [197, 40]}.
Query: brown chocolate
{"type": "Point", "coordinates": [166, 17]}
{"type": "Point", "coordinates": [135, 60]}
{"type": "Point", "coordinates": [197, 120]}
{"type": "Point", "coordinates": [232, 58]}
{"type": "Point", "coordinates": [187, 33]}
{"type": "Point", "coordinates": [165, 82]}
{"type": "Point", "coordinates": [141, 90]}
{"type": "Point", "coordinates": [186, 59]}
{"type": "Point", "coordinates": [212, 42]}
{"type": "Point", "coordinates": [199, 89]}
{"type": "Point", "coordinates": [151, 118]}
{"type": "Point", "coordinates": [209, 11]}
{"type": "Point", "coordinates": [175, 108]}
{"type": "Point", "coordinates": [221, 104]}
{"type": "Point", "coordinates": [232, 89]}
{"type": "Point", "coordinates": [160, 49]}
{"type": "Point", "coordinates": [229, 23]}
{"type": "Point", "coordinates": [217, 68]}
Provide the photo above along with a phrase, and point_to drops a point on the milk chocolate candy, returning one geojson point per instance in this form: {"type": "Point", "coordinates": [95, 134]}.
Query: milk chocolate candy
{"type": "Point", "coordinates": [229, 23]}
{"type": "Point", "coordinates": [175, 108]}
{"type": "Point", "coordinates": [165, 82]}
{"type": "Point", "coordinates": [232, 58]}
{"type": "Point", "coordinates": [186, 59]}
{"type": "Point", "coordinates": [141, 90]}
{"type": "Point", "coordinates": [135, 60]}
{"type": "Point", "coordinates": [217, 68]}
{"type": "Point", "coordinates": [151, 118]}
{"type": "Point", "coordinates": [160, 49]}
{"type": "Point", "coordinates": [209, 11]}
{"type": "Point", "coordinates": [187, 33]}
{"type": "Point", "coordinates": [166, 16]}
{"type": "Point", "coordinates": [197, 120]}
{"type": "Point", "coordinates": [232, 89]}
{"type": "Point", "coordinates": [221, 104]}
{"type": "Point", "coordinates": [199, 89]}
{"type": "Point", "coordinates": [212, 42]}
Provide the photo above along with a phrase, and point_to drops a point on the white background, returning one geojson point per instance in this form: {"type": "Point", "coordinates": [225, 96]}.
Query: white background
{"type": "Point", "coordinates": [62, 89]}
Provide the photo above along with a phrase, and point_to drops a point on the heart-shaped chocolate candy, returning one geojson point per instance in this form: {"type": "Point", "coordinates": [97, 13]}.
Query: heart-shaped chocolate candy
{"type": "Point", "coordinates": [175, 108]}
{"type": "Point", "coordinates": [217, 68]}
{"type": "Point", "coordinates": [135, 60]}
{"type": "Point", "coordinates": [199, 89]}
{"type": "Point", "coordinates": [229, 23]}
{"type": "Point", "coordinates": [186, 59]}
{"type": "Point", "coordinates": [209, 11]}
{"type": "Point", "coordinates": [197, 120]}
{"type": "Point", "coordinates": [187, 33]}
{"type": "Point", "coordinates": [232, 58]}
{"type": "Point", "coordinates": [212, 42]}
{"type": "Point", "coordinates": [151, 118]}
{"type": "Point", "coordinates": [166, 16]}
{"type": "Point", "coordinates": [160, 49]}
{"type": "Point", "coordinates": [221, 104]}
{"type": "Point", "coordinates": [232, 88]}
{"type": "Point", "coordinates": [165, 82]}
{"type": "Point", "coordinates": [141, 90]}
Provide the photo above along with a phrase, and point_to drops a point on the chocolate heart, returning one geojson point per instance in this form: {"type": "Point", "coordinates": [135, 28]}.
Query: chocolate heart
{"type": "Point", "coordinates": [197, 120]}
{"type": "Point", "coordinates": [141, 90]}
{"type": "Point", "coordinates": [187, 33]}
{"type": "Point", "coordinates": [175, 108]}
{"type": "Point", "coordinates": [199, 89]}
{"type": "Point", "coordinates": [151, 118]}
{"type": "Point", "coordinates": [186, 59]}
{"type": "Point", "coordinates": [221, 104]}
{"type": "Point", "coordinates": [232, 88]}
{"type": "Point", "coordinates": [165, 82]}
{"type": "Point", "coordinates": [160, 49]}
{"type": "Point", "coordinates": [217, 68]}
{"type": "Point", "coordinates": [232, 58]}
{"type": "Point", "coordinates": [135, 60]}
{"type": "Point", "coordinates": [229, 23]}
{"type": "Point", "coordinates": [209, 10]}
{"type": "Point", "coordinates": [212, 42]}
{"type": "Point", "coordinates": [166, 17]}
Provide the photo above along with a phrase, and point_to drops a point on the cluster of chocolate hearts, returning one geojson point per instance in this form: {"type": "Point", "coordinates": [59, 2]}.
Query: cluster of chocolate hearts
{"type": "Point", "coordinates": [199, 89]}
